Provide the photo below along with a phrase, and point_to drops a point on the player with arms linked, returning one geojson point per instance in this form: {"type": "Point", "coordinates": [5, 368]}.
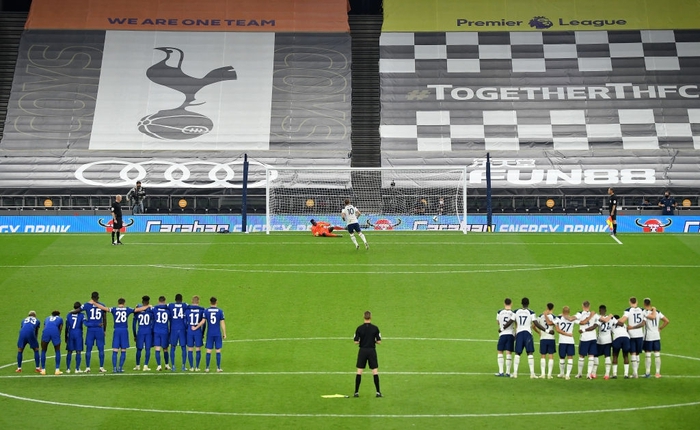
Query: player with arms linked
{"type": "Point", "coordinates": [96, 323]}
{"type": "Point", "coordinates": [506, 337]}
{"type": "Point", "coordinates": [74, 338]}
{"type": "Point", "coordinates": [142, 328]}
{"type": "Point", "coordinates": [193, 315]}
{"type": "Point", "coordinates": [161, 331]}
{"type": "Point", "coordinates": [216, 332]}
{"type": "Point", "coordinates": [178, 330]}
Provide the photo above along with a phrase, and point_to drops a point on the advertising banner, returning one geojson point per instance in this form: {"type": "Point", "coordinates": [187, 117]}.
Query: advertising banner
{"type": "Point", "coordinates": [537, 15]}
{"type": "Point", "coordinates": [177, 15]}
{"type": "Point", "coordinates": [574, 109]}
{"type": "Point", "coordinates": [188, 224]}
{"type": "Point", "coordinates": [173, 109]}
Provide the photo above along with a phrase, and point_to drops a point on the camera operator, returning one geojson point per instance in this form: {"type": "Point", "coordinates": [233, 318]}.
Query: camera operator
{"type": "Point", "coordinates": [136, 196]}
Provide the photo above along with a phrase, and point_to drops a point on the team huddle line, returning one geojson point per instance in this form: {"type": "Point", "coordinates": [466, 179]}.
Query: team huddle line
{"type": "Point", "coordinates": [157, 326]}
{"type": "Point", "coordinates": [601, 335]}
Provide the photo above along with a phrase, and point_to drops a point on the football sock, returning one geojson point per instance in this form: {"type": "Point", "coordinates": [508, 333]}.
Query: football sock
{"type": "Point", "coordinates": [500, 363]}
{"type": "Point", "coordinates": [165, 356]}
{"type": "Point", "coordinates": [562, 366]}
{"type": "Point", "coordinates": [207, 360]}
{"type": "Point", "coordinates": [36, 358]}
{"type": "Point", "coordinates": [595, 367]}
{"type": "Point", "coordinates": [183, 350]}
{"type": "Point", "coordinates": [647, 362]}
{"type": "Point", "coordinates": [148, 357]}
{"type": "Point", "coordinates": [626, 367]}
{"type": "Point", "coordinates": [101, 354]}
{"type": "Point", "coordinates": [58, 359]}
{"type": "Point", "coordinates": [591, 364]}
{"type": "Point", "coordinates": [19, 360]}
{"type": "Point", "coordinates": [354, 241]}
{"type": "Point", "coordinates": [358, 379]}
{"type": "Point", "coordinates": [218, 360]}
{"type": "Point", "coordinates": [362, 236]}
{"type": "Point", "coordinates": [551, 366]}
{"type": "Point", "coordinates": [172, 355]}
{"type": "Point", "coordinates": [509, 362]}
{"type": "Point", "coordinates": [531, 364]}
{"type": "Point", "coordinates": [608, 364]}
{"type": "Point", "coordinates": [118, 234]}
{"type": "Point", "coordinates": [43, 359]}
{"type": "Point", "coordinates": [569, 366]}
{"type": "Point", "coordinates": [138, 357]}
{"type": "Point", "coordinates": [581, 361]}
{"type": "Point", "coordinates": [78, 360]}
{"type": "Point", "coordinates": [114, 359]}
{"type": "Point", "coordinates": [516, 363]}
{"type": "Point", "coordinates": [122, 359]}
{"type": "Point", "coordinates": [635, 364]}
{"type": "Point", "coordinates": [657, 359]}
{"type": "Point", "coordinates": [69, 359]}
{"type": "Point", "coordinates": [198, 356]}
{"type": "Point", "coordinates": [376, 383]}
{"type": "Point", "coordinates": [190, 357]}
{"type": "Point", "coordinates": [543, 366]}
{"type": "Point", "coordinates": [158, 357]}
{"type": "Point", "coordinates": [113, 237]}
{"type": "Point", "coordinates": [615, 228]}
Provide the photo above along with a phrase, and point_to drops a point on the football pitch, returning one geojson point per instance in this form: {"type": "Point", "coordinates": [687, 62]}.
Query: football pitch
{"type": "Point", "coordinates": [292, 303]}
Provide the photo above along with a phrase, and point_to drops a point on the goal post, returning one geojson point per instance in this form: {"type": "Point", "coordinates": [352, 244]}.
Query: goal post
{"type": "Point", "coordinates": [399, 198]}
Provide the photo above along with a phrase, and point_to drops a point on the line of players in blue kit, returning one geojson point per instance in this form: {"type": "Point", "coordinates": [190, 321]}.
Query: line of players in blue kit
{"type": "Point", "coordinates": [157, 326]}
{"type": "Point", "coordinates": [601, 334]}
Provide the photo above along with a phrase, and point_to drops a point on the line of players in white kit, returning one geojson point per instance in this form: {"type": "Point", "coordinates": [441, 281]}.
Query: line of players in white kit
{"type": "Point", "coordinates": [600, 335]}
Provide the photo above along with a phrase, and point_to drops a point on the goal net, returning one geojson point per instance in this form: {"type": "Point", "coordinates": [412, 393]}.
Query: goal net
{"type": "Point", "coordinates": [388, 198]}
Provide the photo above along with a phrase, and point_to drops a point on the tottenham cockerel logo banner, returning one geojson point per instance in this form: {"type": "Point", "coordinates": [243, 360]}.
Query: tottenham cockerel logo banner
{"type": "Point", "coordinates": [172, 91]}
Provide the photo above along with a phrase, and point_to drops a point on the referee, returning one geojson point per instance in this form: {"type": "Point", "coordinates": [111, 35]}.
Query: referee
{"type": "Point", "coordinates": [367, 336]}
{"type": "Point", "coordinates": [117, 222]}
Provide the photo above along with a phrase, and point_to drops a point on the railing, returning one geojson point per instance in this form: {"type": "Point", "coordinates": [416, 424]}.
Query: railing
{"type": "Point", "coordinates": [215, 204]}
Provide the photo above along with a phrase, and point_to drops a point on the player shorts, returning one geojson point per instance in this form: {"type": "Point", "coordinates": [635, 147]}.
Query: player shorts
{"type": "Point", "coordinates": [144, 339]}
{"type": "Point", "coordinates": [178, 336]}
{"type": "Point", "coordinates": [652, 345]}
{"type": "Point", "coordinates": [120, 339]}
{"type": "Point", "coordinates": [548, 346]}
{"type": "Point", "coordinates": [636, 344]}
{"type": "Point", "coordinates": [95, 336]}
{"type": "Point", "coordinates": [587, 347]}
{"type": "Point", "coordinates": [214, 342]}
{"type": "Point", "coordinates": [354, 227]}
{"type": "Point", "coordinates": [160, 339]}
{"type": "Point", "coordinates": [117, 225]}
{"type": "Point", "coordinates": [27, 339]}
{"type": "Point", "coordinates": [523, 340]}
{"type": "Point", "coordinates": [603, 349]}
{"type": "Point", "coordinates": [613, 217]}
{"type": "Point", "coordinates": [367, 356]}
{"type": "Point", "coordinates": [53, 337]}
{"type": "Point", "coordinates": [506, 342]}
{"type": "Point", "coordinates": [75, 341]}
{"type": "Point", "coordinates": [566, 350]}
{"type": "Point", "coordinates": [194, 338]}
{"type": "Point", "coordinates": [621, 344]}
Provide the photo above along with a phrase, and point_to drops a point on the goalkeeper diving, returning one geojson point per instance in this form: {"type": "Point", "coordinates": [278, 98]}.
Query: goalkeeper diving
{"type": "Point", "coordinates": [324, 229]}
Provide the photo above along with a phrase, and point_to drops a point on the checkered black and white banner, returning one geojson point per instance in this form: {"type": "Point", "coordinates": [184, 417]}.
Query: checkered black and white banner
{"type": "Point", "coordinates": [622, 99]}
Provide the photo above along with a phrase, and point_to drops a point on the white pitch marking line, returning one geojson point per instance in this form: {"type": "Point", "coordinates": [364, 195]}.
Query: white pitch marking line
{"type": "Point", "coordinates": [616, 239]}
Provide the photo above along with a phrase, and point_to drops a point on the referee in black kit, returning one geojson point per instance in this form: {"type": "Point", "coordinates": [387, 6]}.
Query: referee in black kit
{"type": "Point", "coordinates": [117, 222]}
{"type": "Point", "coordinates": [367, 336]}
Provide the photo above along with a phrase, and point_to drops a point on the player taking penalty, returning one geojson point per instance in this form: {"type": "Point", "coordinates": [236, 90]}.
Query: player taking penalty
{"type": "Point", "coordinates": [349, 215]}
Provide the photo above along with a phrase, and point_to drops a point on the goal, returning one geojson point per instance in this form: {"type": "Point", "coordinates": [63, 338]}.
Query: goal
{"type": "Point", "coordinates": [389, 198]}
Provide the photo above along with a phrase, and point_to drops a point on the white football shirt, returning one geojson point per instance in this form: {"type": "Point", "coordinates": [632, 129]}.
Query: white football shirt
{"type": "Point", "coordinates": [350, 213]}
{"type": "Point", "coordinates": [618, 331]}
{"type": "Point", "coordinates": [543, 319]}
{"type": "Point", "coordinates": [524, 319]}
{"type": "Point", "coordinates": [503, 316]}
{"type": "Point", "coordinates": [604, 331]}
{"type": "Point", "coordinates": [567, 327]}
{"type": "Point", "coordinates": [635, 316]}
{"type": "Point", "coordinates": [652, 326]}
{"type": "Point", "coordinates": [586, 335]}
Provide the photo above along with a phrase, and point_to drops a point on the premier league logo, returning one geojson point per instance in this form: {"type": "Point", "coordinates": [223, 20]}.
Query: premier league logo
{"type": "Point", "coordinates": [180, 123]}
{"type": "Point", "coordinates": [540, 23]}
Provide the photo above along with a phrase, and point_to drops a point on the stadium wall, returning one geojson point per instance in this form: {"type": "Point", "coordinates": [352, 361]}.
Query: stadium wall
{"type": "Point", "coordinates": [476, 223]}
{"type": "Point", "coordinates": [572, 95]}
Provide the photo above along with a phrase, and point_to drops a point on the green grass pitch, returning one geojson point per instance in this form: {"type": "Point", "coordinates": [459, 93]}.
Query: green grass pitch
{"type": "Point", "coordinates": [292, 303]}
